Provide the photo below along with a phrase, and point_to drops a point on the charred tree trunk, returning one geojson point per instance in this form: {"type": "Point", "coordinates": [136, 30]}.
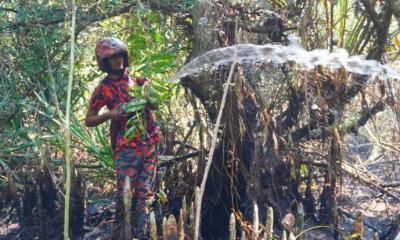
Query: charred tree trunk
{"type": "Point", "coordinates": [77, 205]}
{"type": "Point", "coordinates": [235, 177]}
{"type": "Point", "coordinates": [45, 196]}
{"type": "Point", "coordinates": [38, 204]}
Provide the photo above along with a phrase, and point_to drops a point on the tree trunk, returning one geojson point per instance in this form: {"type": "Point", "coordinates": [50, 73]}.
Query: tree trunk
{"type": "Point", "coordinates": [239, 163]}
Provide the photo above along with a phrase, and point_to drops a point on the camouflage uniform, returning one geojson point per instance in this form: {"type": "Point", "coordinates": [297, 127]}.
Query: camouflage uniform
{"type": "Point", "coordinates": [136, 158]}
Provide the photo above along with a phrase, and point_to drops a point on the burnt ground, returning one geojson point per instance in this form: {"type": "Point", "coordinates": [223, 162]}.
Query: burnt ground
{"type": "Point", "coordinates": [360, 191]}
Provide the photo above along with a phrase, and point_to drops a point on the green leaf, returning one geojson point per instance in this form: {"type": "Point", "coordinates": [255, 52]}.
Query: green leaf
{"type": "Point", "coordinates": [130, 132]}
{"type": "Point", "coordinates": [156, 37]}
{"type": "Point", "coordinates": [134, 109]}
{"type": "Point", "coordinates": [134, 105]}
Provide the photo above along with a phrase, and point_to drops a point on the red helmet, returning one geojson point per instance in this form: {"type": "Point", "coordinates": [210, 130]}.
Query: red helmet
{"type": "Point", "coordinates": [107, 47]}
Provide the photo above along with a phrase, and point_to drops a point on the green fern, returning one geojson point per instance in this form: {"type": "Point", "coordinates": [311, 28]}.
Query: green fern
{"type": "Point", "coordinates": [156, 93]}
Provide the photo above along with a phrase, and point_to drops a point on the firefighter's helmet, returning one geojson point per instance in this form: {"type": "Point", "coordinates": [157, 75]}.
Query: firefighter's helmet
{"type": "Point", "coordinates": [108, 47]}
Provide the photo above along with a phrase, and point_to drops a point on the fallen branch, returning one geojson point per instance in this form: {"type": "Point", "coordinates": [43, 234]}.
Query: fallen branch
{"type": "Point", "coordinates": [184, 144]}
{"type": "Point", "coordinates": [368, 178]}
{"type": "Point", "coordinates": [164, 161]}
{"type": "Point", "coordinates": [391, 184]}
{"type": "Point", "coordinates": [169, 161]}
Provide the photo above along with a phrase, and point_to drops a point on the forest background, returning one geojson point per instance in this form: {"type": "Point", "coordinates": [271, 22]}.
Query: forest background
{"type": "Point", "coordinates": [327, 139]}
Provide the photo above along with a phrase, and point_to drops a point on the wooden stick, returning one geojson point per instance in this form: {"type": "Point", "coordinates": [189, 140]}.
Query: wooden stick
{"type": "Point", "coordinates": [184, 209]}
{"type": "Point", "coordinates": [269, 225]}
{"type": "Point", "coordinates": [181, 224]}
{"type": "Point", "coordinates": [284, 235]}
{"type": "Point", "coordinates": [256, 223]}
{"type": "Point", "coordinates": [127, 196]}
{"type": "Point", "coordinates": [213, 145]}
{"type": "Point", "coordinates": [191, 217]}
{"type": "Point", "coordinates": [172, 231]}
{"type": "Point", "coordinates": [153, 226]}
{"type": "Point", "coordinates": [300, 219]}
{"type": "Point", "coordinates": [391, 184]}
{"type": "Point", "coordinates": [68, 150]}
{"type": "Point", "coordinates": [232, 227]}
{"type": "Point", "coordinates": [165, 161]}
{"type": "Point", "coordinates": [243, 237]}
{"type": "Point", "coordinates": [291, 236]}
{"type": "Point", "coordinates": [164, 228]}
{"type": "Point", "coordinates": [169, 161]}
{"type": "Point", "coordinates": [359, 225]}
